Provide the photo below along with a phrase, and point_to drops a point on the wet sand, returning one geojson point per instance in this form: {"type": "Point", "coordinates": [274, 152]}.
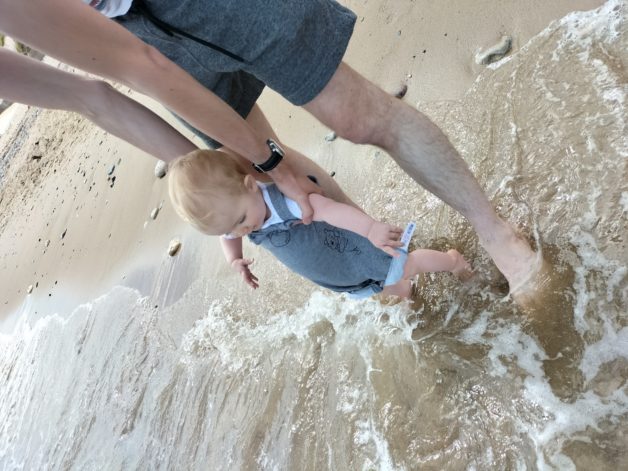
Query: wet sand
{"type": "Point", "coordinates": [71, 233]}
{"type": "Point", "coordinates": [196, 369]}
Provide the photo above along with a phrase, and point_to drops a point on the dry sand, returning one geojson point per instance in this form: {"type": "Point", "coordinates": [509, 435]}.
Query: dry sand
{"type": "Point", "coordinates": [56, 185]}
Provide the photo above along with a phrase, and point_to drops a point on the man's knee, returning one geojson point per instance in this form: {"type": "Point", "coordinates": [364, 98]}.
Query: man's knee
{"type": "Point", "coordinates": [359, 129]}
{"type": "Point", "coordinates": [365, 120]}
{"type": "Point", "coordinates": [353, 129]}
{"type": "Point", "coordinates": [354, 108]}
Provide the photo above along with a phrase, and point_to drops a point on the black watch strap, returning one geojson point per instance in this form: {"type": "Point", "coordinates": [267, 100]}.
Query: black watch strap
{"type": "Point", "coordinates": [276, 154]}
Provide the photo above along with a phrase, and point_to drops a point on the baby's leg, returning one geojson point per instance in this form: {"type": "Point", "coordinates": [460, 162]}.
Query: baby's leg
{"type": "Point", "coordinates": [425, 260]}
{"type": "Point", "coordinates": [403, 289]}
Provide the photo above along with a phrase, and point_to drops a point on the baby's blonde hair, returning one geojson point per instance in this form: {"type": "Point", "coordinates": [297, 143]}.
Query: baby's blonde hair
{"type": "Point", "coordinates": [199, 182]}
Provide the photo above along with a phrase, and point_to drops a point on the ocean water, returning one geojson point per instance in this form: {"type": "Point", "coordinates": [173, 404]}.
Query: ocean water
{"type": "Point", "coordinates": [460, 379]}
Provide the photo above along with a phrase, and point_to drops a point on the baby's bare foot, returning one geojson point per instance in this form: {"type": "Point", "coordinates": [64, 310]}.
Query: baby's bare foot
{"type": "Point", "coordinates": [462, 269]}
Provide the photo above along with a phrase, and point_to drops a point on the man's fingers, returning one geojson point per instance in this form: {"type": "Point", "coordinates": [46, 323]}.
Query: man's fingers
{"type": "Point", "coordinates": [390, 251]}
{"type": "Point", "coordinates": [391, 243]}
{"type": "Point", "coordinates": [306, 210]}
{"type": "Point", "coordinates": [295, 187]}
{"type": "Point", "coordinates": [395, 234]}
{"type": "Point", "coordinates": [308, 185]}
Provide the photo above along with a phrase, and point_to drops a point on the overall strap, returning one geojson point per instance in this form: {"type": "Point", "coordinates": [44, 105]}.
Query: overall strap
{"type": "Point", "coordinates": [141, 8]}
{"type": "Point", "coordinates": [279, 203]}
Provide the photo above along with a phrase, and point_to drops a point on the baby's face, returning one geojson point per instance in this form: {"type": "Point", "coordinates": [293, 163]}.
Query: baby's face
{"type": "Point", "coordinates": [245, 213]}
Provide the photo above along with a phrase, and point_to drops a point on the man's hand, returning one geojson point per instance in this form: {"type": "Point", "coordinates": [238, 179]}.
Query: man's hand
{"type": "Point", "coordinates": [385, 237]}
{"type": "Point", "coordinates": [241, 265]}
{"type": "Point", "coordinates": [296, 188]}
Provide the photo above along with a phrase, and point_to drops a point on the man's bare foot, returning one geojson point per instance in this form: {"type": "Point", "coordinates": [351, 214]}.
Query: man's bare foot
{"type": "Point", "coordinates": [514, 257]}
{"type": "Point", "coordinates": [462, 269]}
{"type": "Point", "coordinates": [533, 289]}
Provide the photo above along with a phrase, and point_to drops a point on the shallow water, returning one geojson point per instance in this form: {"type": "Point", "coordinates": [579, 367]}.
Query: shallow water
{"type": "Point", "coordinates": [461, 379]}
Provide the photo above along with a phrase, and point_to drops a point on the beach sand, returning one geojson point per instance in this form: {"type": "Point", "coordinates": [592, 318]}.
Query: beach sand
{"type": "Point", "coordinates": [70, 233]}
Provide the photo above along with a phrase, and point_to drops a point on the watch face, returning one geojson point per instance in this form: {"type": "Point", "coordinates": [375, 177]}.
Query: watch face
{"type": "Point", "coordinates": [274, 147]}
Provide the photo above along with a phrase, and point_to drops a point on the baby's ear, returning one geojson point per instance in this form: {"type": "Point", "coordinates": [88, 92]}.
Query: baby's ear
{"type": "Point", "coordinates": [250, 183]}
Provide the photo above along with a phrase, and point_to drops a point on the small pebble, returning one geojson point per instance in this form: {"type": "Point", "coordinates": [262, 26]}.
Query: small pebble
{"type": "Point", "coordinates": [331, 137]}
{"type": "Point", "coordinates": [174, 247]}
{"type": "Point", "coordinates": [402, 91]}
{"type": "Point", "coordinates": [161, 169]}
{"type": "Point", "coordinates": [154, 213]}
{"type": "Point", "coordinates": [29, 290]}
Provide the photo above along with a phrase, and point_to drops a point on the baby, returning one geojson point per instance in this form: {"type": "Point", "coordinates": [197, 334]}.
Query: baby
{"type": "Point", "coordinates": [343, 249]}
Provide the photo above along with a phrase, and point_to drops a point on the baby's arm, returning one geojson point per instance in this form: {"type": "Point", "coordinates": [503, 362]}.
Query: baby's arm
{"type": "Point", "coordinates": [232, 248]}
{"type": "Point", "coordinates": [381, 235]}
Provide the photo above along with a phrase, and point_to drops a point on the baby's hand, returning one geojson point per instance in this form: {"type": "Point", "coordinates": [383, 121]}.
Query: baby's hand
{"type": "Point", "coordinates": [385, 237]}
{"type": "Point", "coordinates": [241, 265]}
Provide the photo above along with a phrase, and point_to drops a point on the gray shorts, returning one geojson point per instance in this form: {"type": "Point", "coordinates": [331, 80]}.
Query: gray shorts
{"type": "Point", "coordinates": [293, 46]}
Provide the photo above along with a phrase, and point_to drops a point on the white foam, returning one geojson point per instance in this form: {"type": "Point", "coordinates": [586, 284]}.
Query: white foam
{"type": "Point", "coordinates": [238, 342]}
{"type": "Point", "coordinates": [473, 333]}
{"type": "Point", "coordinates": [7, 116]}
{"type": "Point", "coordinates": [613, 345]}
{"type": "Point", "coordinates": [623, 200]}
{"type": "Point", "coordinates": [511, 348]}
{"type": "Point", "coordinates": [582, 28]}
{"type": "Point", "coordinates": [567, 419]}
{"type": "Point", "coordinates": [592, 260]}
{"type": "Point", "coordinates": [106, 367]}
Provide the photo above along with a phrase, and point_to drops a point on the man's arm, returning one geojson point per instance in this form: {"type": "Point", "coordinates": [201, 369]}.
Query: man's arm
{"type": "Point", "coordinates": [77, 34]}
{"type": "Point", "coordinates": [381, 235]}
{"type": "Point", "coordinates": [28, 81]}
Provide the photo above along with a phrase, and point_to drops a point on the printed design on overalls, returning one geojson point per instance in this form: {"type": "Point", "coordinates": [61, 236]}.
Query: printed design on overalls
{"type": "Point", "coordinates": [279, 238]}
{"type": "Point", "coordinates": [335, 240]}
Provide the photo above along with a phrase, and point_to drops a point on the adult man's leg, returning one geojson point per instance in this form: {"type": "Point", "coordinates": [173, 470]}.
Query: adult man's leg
{"type": "Point", "coordinates": [362, 113]}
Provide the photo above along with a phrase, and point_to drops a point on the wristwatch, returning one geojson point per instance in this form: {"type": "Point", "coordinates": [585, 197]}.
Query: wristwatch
{"type": "Point", "coordinates": [276, 154]}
